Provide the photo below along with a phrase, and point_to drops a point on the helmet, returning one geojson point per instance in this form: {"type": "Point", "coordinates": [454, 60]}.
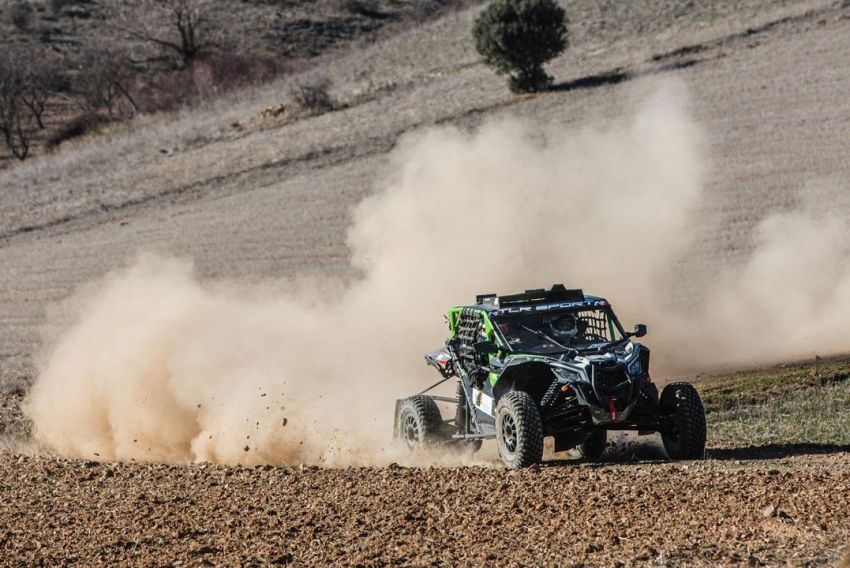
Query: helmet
{"type": "Point", "coordinates": [564, 326]}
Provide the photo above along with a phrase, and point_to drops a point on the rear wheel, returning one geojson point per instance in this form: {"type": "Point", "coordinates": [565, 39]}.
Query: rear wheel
{"type": "Point", "coordinates": [419, 422]}
{"type": "Point", "coordinates": [463, 422]}
{"type": "Point", "coordinates": [594, 444]}
{"type": "Point", "coordinates": [684, 438]}
{"type": "Point", "coordinates": [519, 431]}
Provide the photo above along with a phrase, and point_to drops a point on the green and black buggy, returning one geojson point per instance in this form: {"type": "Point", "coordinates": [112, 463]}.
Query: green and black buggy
{"type": "Point", "coordinates": [547, 363]}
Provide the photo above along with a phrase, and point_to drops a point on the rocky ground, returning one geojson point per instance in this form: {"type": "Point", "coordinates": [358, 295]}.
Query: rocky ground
{"type": "Point", "coordinates": [733, 509]}
{"type": "Point", "coordinates": [772, 504]}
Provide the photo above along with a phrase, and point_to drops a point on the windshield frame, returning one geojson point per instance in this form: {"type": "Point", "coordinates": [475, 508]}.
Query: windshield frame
{"type": "Point", "coordinates": [498, 318]}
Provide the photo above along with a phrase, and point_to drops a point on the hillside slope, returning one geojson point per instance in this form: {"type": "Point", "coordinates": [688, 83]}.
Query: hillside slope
{"type": "Point", "coordinates": [245, 195]}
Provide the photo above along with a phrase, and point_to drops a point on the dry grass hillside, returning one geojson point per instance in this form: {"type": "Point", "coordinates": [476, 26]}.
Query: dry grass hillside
{"type": "Point", "coordinates": [189, 181]}
{"type": "Point", "coordinates": [75, 52]}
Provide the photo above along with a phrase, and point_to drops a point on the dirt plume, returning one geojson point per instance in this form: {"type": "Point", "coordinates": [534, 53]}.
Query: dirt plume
{"type": "Point", "coordinates": [790, 296]}
{"type": "Point", "coordinates": [153, 364]}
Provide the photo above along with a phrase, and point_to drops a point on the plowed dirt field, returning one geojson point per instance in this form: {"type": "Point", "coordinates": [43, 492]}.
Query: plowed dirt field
{"type": "Point", "coordinates": [777, 507]}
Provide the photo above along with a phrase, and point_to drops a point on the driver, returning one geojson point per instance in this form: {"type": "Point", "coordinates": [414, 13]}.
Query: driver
{"type": "Point", "coordinates": [565, 327]}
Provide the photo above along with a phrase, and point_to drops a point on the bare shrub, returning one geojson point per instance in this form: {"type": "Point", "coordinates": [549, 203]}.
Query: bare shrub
{"type": "Point", "coordinates": [14, 123]}
{"type": "Point", "coordinates": [14, 116]}
{"type": "Point", "coordinates": [167, 90]}
{"type": "Point", "coordinates": [101, 85]}
{"type": "Point", "coordinates": [222, 71]}
{"type": "Point", "coordinates": [175, 32]}
{"type": "Point", "coordinates": [43, 80]}
{"type": "Point", "coordinates": [314, 97]}
{"type": "Point", "coordinates": [204, 78]}
{"type": "Point", "coordinates": [28, 78]}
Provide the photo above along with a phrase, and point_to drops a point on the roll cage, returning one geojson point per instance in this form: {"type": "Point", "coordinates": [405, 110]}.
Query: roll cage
{"type": "Point", "coordinates": [596, 313]}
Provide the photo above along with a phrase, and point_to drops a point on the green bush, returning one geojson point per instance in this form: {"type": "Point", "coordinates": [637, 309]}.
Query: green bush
{"type": "Point", "coordinates": [517, 37]}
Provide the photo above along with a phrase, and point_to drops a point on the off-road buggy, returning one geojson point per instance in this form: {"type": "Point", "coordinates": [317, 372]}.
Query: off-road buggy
{"type": "Point", "coordinates": [547, 363]}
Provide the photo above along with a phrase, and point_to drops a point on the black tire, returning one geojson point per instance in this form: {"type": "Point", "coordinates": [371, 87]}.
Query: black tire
{"type": "Point", "coordinates": [593, 446]}
{"type": "Point", "coordinates": [419, 422]}
{"type": "Point", "coordinates": [462, 413]}
{"type": "Point", "coordinates": [685, 436]}
{"type": "Point", "coordinates": [519, 431]}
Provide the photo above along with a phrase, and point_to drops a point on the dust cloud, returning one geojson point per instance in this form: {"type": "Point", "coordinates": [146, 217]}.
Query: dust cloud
{"type": "Point", "coordinates": [790, 298]}
{"type": "Point", "coordinates": [155, 364]}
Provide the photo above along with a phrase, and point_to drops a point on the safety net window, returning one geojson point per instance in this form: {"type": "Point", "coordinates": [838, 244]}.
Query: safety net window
{"type": "Point", "coordinates": [598, 324]}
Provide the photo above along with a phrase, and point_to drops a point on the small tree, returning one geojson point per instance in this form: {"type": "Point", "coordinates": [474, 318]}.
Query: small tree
{"type": "Point", "coordinates": [14, 118]}
{"type": "Point", "coordinates": [43, 80]}
{"type": "Point", "coordinates": [178, 31]}
{"type": "Point", "coordinates": [517, 37]}
{"type": "Point", "coordinates": [100, 85]}
{"type": "Point", "coordinates": [314, 97]}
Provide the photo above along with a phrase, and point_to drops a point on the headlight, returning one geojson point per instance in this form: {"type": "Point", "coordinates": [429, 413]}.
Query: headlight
{"type": "Point", "coordinates": [565, 375]}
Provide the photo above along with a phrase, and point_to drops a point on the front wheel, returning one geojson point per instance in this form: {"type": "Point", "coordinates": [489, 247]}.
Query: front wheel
{"type": "Point", "coordinates": [419, 422]}
{"type": "Point", "coordinates": [684, 438]}
{"type": "Point", "coordinates": [519, 430]}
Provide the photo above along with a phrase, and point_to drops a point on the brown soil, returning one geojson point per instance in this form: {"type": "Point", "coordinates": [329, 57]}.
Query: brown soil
{"type": "Point", "coordinates": [790, 511]}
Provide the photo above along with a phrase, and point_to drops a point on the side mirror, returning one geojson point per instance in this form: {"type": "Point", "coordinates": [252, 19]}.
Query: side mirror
{"type": "Point", "coordinates": [485, 348]}
{"type": "Point", "coordinates": [640, 330]}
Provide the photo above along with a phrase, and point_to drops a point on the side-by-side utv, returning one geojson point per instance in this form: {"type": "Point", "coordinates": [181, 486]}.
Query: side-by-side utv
{"type": "Point", "coordinates": [547, 363]}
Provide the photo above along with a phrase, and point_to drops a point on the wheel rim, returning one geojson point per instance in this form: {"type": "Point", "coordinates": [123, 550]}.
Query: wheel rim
{"type": "Point", "coordinates": [509, 434]}
{"type": "Point", "coordinates": [410, 432]}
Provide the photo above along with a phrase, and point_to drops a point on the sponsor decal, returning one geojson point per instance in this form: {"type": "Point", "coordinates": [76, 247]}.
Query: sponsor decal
{"type": "Point", "coordinates": [550, 307]}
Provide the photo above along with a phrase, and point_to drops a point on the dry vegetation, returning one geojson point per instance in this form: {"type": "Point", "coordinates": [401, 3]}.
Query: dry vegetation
{"type": "Point", "coordinates": [113, 60]}
{"type": "Point", "coordinates": [801, 403]}
{"type": "Point", "coordinates": [185, 51]}
{"type": "Point", "coordinates": [760, 386]}
{"type": "Point", "coordinates": [818, 416]}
